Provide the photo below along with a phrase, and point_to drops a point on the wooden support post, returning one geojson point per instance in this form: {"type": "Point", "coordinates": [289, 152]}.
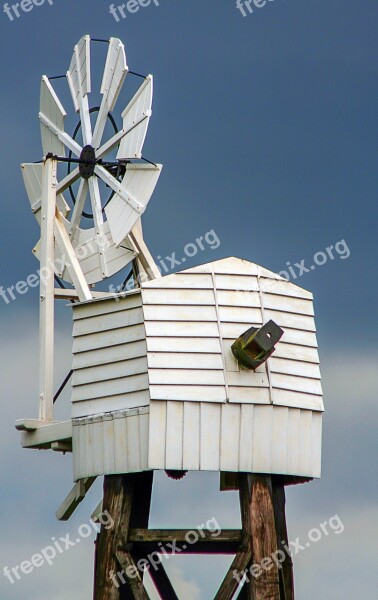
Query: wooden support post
{"type": "Point", "coordinates": [265, 583]}
{"type": "Point", "coordinates": [286, 573]}
{"type": "Point", "coordinates": [46, 313]}
{"type": "Point", "coordinates": [127, 498]}
{"type": "Point", "coordinates": [259, 546]}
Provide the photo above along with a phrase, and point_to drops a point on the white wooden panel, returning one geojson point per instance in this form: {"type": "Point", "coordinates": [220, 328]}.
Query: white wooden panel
{"type": "Point", "coordinates": [185, 377]}
{"type": "Point", "coordinates": [109, 355]}
{"type": "Point", "coordinates": [169, 360]}
{"type": "Point", "coordinates": [285, 304]}
{"type": "Point", "coordinates": [246, 438]}
{"type": "Point", "coordinates": [121, 445]}
{"type": "Point", "coordinates": [188, 297]}
{"type": "Point", "coordinates": [191, 436]}
{"type": "Point", "coordinates": [294, 367]}
{"type": "Point", "coordinates": [109, 338]}
{"type": "Point", "coordinates": [248, 378]}
{"type": "Point", "coordinates": [98, 446]}
{"type": "Point", "coordinates": [237, 314]}
{"type": "Point", "coordinates": [229, 265]}
{"type": "Point", "coordinates": [110, 403]}
{"type": "Point", "coordinates": [283, 288]}
{"type": "Point", "coordinates": [279, 439]}
{"type": "Point", "coordinates": [236, 282]}
{"type": "Point", "coordinates": [136, 117]}
{"type": "Point", "coordinates": [249, 395]}
{"type": "Point", "coordinates": [229, 437]}
{"type": "Point", "coordinates": [107, 306]}
{"type": "Point", "coordinates": [116, 320]}
{"type": "Point", "coordinates": [210, 435]}
{"type": "Point", "coordinates": [157, 435]}
{"type": "Point", "coordinates": [130, 199]}
{"type": "Point", "coordinates": [290, 336]}
{"type": "Point", "coordinates": [298, 353]}
{"type": "Point", "coordinates": [262, 439]}
{"type": "Point", "coordinates": [133, 444]}
{"type": "Point", "coordinates": [110, 444]}
{"type": "Point", "coordinates": [184, 329]}
{"type": "Point", "coordinates": [110, 371]}
{"type": "Point", "coordinates": [174, 435]}
{"type": "Point", "coordinates": [191, 393]}
{"type": "Point", "coordinates": [316, 446]}
{"type": "Point", "coordinates": [181, 281]}
{"type": "Point", "coordinates": [237, 298]}
{"type": "Point", "coordinates": [291, 320]}
{"type": "Point", "coordinates": [293, 441]}
{"type": "Point", "coordinates": [305, 442]}
{"type": "Point", "coordinates": [144, 421]}
{"type": "Point", "coordinates": [112, 387]}
{"type": "Point", "coordinates": [177, 345]}
{"type": "Point", "coordinates": [300, 384]}
{"type": "Point", "coordinates": [179, 313]}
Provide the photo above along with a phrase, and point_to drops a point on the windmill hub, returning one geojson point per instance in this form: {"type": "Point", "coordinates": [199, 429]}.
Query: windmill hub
{"type": "Point", "coordinates": [87, 162]}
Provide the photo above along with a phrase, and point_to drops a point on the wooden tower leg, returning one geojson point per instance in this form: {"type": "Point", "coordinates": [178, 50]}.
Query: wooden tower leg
{"type": "Point", "coordinates": [127, 498]}
{"type": "Point", "coordinates": [261, 560]}
{"type": "Point", "coordinates": [286, 573]}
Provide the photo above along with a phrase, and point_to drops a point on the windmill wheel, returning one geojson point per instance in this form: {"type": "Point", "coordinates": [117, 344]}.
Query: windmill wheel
{"type": "Point", "coordinates": [119, 190]}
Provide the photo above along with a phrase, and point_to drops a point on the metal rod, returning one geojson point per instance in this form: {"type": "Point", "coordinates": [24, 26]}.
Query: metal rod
{"type": "Point", "coordinates": [56, 77]}
{"type": "Point", "coordinates": [99, 40]}
{"type": "Point", "coordinates": [63, 385]}
{"type": "Point", "coordinates": [137, 75]}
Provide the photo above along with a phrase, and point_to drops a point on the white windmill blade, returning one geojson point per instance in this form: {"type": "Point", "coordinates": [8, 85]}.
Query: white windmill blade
{"type": "Point", "coordinates": [136, 117]}
{"type": "Point", "coordinates": [115, 72]}
{"type": "Point", "coordinates": [51, 110]}
{"type": "Point", "coordinates": [61, 135]}
{"type": "Point", "coordinates": [126, 207]}
{"type": "Point", "coordinates": [32, 176]}
{"type": "Point", "coordinates": [79, 206]}
{"type": "Point", "coordinates": [79, 81]}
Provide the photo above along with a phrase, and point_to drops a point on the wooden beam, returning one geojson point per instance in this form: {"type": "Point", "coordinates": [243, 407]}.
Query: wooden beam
{"type": "Point", "coordinates": [162, 583]}
{"type": "Point", "coordinates": [144, 256]}
{"type": "Point", "coordinates": [265, 583]}
{"type": "Point", "coordinates": [44, 435]}
{"type": "Point", "coordinates": [179, 535]}
{"type": "Point", "coordinates": [69, 294]}
{"type": "Point", "coordinates": [232, 579]}
{"type": "Point", "coordinates": [135, 579]}
{"type": "Point", "coordinates": [46, 311]}
{"type": "Point", "coordinates": [286, 573]}
{"type": "Point", "coordinates": [72, 501]}
{"type": "Point", "coordinates": [70, 258]}
{"type": "Point", "coordinates": [127, 498]}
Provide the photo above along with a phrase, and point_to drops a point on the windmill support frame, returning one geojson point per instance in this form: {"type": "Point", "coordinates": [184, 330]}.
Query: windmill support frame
{"type": "Point", "coordinates": [262, 567]}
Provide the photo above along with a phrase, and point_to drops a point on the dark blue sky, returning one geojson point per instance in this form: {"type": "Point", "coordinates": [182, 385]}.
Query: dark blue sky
{"type": "Point", "coordinates": [267, 129]}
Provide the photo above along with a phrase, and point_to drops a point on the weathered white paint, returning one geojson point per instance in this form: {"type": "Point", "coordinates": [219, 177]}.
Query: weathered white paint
{"type": "Point", "coordinates": [110, 443]}
{"type": "Point", "coordinates": [235, 437]}
{"type": "Point", "coordinates": [167, 347]}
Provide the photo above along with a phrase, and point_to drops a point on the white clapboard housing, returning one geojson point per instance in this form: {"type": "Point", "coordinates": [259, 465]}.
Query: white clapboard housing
{"type": "Point", "coordinates": [156, 386]}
